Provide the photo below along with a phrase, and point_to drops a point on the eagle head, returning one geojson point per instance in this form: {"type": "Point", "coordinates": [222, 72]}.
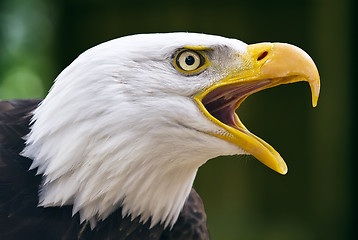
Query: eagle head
{"type": "Point", "coordinates": [130, 121]}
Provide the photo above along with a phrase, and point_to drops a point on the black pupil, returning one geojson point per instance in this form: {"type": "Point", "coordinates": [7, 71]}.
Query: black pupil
{"type": "Point", "coordinates": [189, 60]}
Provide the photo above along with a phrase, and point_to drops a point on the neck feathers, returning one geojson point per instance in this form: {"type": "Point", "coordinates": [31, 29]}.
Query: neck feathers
{"type": "Point", "coordinates": [101, 163]}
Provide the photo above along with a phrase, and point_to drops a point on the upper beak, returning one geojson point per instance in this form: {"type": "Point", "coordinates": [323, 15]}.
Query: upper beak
{"type": "Point", "coordinates": [285, 61]}
{"type": "Point", "coordinates": [267, 65]}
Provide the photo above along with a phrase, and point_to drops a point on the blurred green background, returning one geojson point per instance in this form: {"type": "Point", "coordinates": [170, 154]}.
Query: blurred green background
{"type": "Point", "coordinates": [244, 199]}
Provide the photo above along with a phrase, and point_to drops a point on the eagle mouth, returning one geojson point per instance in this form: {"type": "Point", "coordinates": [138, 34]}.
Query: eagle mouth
{"type": "Point", "coordinates": [222, 102]}
{"type": "Point", "coordinates": [268, 65]}
{"type": "Point", "coordinates": [219, 104]}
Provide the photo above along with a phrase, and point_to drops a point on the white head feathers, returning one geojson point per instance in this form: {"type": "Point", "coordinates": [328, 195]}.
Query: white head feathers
{"type": "Point", "coordinates": [120, 128]}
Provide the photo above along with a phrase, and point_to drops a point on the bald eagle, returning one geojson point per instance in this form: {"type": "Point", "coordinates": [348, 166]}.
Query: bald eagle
{"type": "Point", "coordinates": [113, 149]}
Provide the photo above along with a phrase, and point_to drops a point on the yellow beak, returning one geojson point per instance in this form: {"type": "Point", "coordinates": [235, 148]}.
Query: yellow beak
{"type": "Point", "coordinates": [267, 65]}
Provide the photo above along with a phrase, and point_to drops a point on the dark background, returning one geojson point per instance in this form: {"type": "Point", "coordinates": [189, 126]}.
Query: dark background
{"type": "Point", "coordinates": [244, 199]}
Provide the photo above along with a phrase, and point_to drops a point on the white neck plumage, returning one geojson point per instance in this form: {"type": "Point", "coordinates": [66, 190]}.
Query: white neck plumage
{"type": "Point", "coordinates": [139, 167]}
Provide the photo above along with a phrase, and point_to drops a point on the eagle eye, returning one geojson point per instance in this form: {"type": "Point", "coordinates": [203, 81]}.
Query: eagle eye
{"type": "Point", "coordinates": [189, 61]}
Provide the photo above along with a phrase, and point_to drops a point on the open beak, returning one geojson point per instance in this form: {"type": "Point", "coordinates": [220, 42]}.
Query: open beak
{"type": "Point", "coordinates": [267, 65]}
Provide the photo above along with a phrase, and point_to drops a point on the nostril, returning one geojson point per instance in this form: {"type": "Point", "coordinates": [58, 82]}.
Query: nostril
{"type": "Point", "coordinates": [262, 56]}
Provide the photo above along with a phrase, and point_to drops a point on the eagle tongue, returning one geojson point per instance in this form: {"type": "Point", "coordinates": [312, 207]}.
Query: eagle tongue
{"type": "Point", "coordinates": [222, 102]}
